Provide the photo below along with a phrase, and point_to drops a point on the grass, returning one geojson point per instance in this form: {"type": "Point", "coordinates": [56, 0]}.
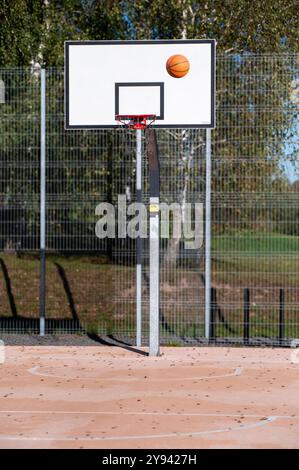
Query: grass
{"type": "Point", "coordinates": [255, 243]}
{"type": "Point", "coordinates": [256, 259]}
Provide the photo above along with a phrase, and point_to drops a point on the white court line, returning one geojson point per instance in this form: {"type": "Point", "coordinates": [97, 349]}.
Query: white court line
{"type": "Point", "coordinates": [34, 371]}
{"type": "Point", "coordinates": [268, 420]}
{"type": "Point", "coordinates": [163, 360]}
{"type": "Point", "coordinates": [145, 413]}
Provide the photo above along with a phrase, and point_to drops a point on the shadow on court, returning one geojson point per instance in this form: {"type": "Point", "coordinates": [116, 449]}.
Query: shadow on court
{"type": "Point", "coordinates": [115, 342]}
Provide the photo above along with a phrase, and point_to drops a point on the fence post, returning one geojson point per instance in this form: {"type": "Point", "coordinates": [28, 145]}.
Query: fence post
{"type": "Point", "coordinates": [281, 316]}
{"type": "Point", "coordinates": [246, 315]}
{"type": "Point", "coordinates": [208, 237]}
{"type": "Point", "coordinates": [213, 316]}
{"type": "Point", "coordinates": [42, 285]}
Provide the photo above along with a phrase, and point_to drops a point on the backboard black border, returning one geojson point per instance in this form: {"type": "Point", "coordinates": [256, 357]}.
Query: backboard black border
{"type": "Point", "coordinates": [118, 85]}
{"type": "Point", "coordinates": [212, 42]}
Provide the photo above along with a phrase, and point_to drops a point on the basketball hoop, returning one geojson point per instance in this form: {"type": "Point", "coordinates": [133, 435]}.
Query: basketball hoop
{"type": "Point", "coordinates": [135, 121]}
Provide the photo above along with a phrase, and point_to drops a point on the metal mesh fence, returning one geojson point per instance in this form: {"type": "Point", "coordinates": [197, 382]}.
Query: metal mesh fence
{"type": "Point", "coordinates": [255, 220]}
{"type": "Point", "coordinates": [90, 283]}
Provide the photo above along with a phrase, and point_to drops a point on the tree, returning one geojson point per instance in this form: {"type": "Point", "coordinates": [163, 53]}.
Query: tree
{"type": "Point", "coordinates": [237, 25]}
{"type": "Point", "coordinates": [20, 31]}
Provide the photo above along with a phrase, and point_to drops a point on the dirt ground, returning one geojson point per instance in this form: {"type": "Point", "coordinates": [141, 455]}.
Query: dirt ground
{"type": "Point", "coordinates": [109, 397]}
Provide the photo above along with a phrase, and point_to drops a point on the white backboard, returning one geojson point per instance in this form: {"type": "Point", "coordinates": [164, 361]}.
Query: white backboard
{"type": "Point", "coordinates": [105, 78]}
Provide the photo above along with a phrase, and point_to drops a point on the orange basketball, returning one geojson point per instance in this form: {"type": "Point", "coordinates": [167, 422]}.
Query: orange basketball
{"type": "Point", "coordinates": [177, 66]}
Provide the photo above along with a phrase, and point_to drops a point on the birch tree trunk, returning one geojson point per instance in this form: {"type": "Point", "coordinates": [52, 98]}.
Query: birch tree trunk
{"type": "Point", "coordinates": [186, 138]}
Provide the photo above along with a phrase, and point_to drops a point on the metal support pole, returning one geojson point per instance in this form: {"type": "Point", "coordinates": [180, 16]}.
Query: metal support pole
{"type": "Point", "coordinates": [138, 242]}
{"type": "Point", "coordinates": [208, 237]}
{"type": "Point", "coordinates": [154, 254]}
{"type": "Point", "coordinates": [154, 349]}
{"type": "Point", "coordinates": [42, 286]}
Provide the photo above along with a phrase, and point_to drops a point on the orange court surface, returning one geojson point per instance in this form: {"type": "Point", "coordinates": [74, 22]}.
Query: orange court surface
{"type": "Point", "coordinates": [109, 397]}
